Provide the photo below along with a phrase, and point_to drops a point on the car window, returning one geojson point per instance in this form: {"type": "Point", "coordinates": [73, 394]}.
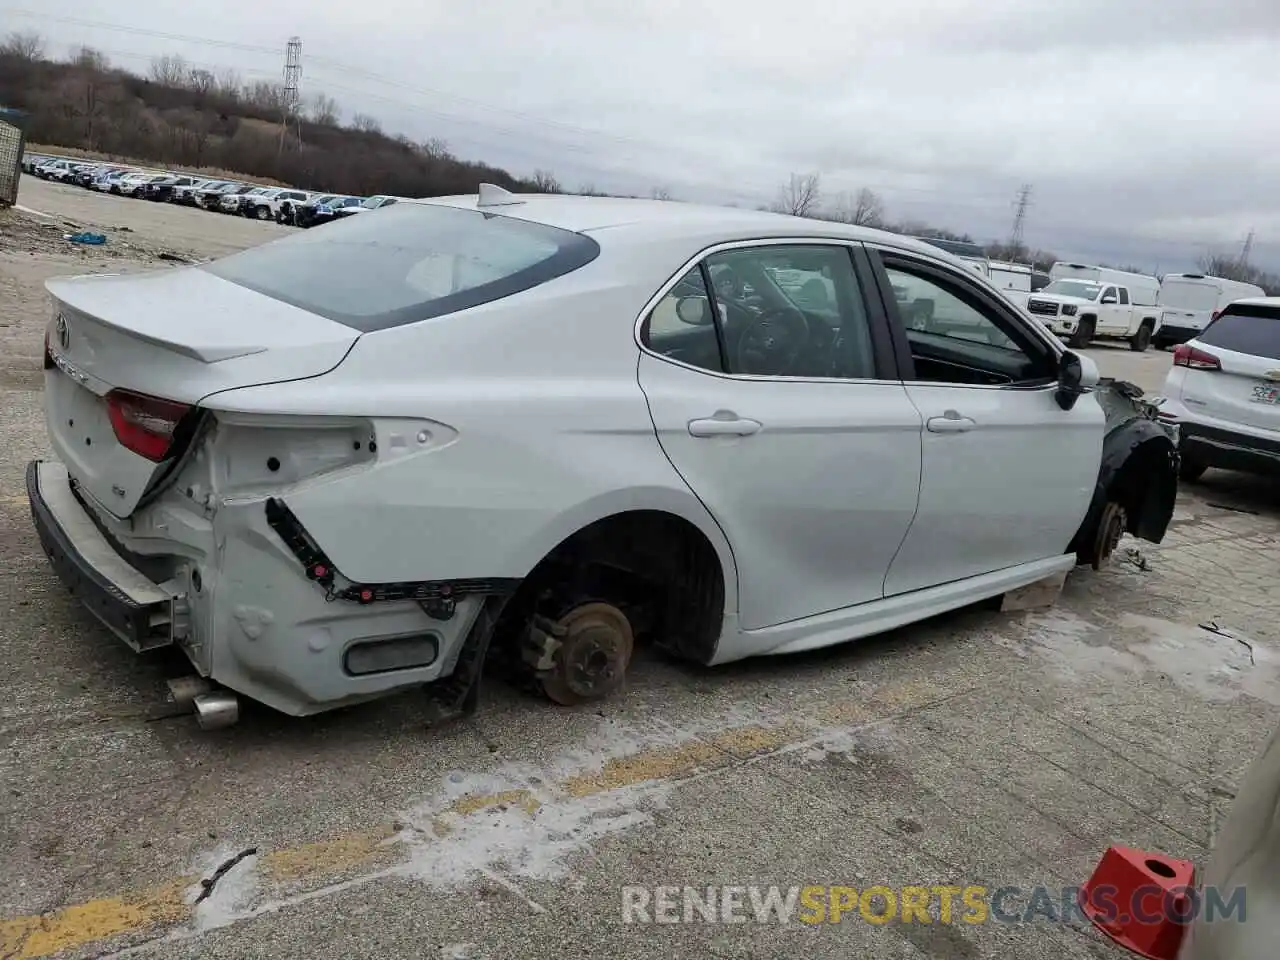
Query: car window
{"type": "Point", "coordinates": [412, 263]}
{"type": "Point", "coordinates": [1124, 296]}
{"type": "Point", "coordinates": [791, 311]}
{"type": "Point", "coordinates": [1109, 293]}
{"type": "Point", "coordinates": [1246, 328]}
{"type": "Point", "coordinates": [681, 326]}
{"type": "Point", "coordinates": [956, 336]}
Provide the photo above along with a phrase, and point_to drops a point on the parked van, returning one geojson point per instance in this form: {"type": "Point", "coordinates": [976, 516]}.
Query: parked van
{"type": "Point", "coordinates": [971, 253]}
{"type": "Point", "coordinates": [1189, 301]}
{"type": "Point", "coordinates": [1013, 279]}
{"type": "Point", "coordinates": [1143, 289]}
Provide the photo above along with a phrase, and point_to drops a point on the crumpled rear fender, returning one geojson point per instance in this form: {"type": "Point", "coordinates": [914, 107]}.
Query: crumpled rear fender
{"type": "Point", "coordinates": [1138, 472]}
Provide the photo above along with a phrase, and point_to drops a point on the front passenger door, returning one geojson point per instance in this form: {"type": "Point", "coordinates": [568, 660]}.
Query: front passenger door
{"type": "Point", "coordinates": [1006, 474]}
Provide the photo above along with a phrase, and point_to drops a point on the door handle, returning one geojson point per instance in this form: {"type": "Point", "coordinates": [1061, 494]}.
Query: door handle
{"type": "Point", "coordinates": [722, 425]}
{"type": "Point", "coordinates": [950, 422]}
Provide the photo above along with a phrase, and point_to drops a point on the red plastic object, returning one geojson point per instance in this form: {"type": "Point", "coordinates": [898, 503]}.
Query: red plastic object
{"type": "Point", "coordinates": [1143, 901]}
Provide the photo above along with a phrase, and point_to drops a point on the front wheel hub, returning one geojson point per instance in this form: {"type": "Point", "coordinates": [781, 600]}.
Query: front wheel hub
{"type": "Point", "coordinates": [1110, 529]}
{"type": "Point", "coordinates": [594, 651]}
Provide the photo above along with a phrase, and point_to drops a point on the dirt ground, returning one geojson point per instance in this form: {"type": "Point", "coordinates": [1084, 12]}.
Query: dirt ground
{"type": "Point", "coordinates": [978, 749]}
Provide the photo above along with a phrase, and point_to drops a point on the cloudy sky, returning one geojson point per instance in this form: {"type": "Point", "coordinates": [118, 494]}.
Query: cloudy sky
{"type": "Point", "coordinates": [1147, 128]}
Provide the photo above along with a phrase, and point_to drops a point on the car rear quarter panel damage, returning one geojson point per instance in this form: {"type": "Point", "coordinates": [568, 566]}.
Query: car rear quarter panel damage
{"type": "Point", "coordinates": [538, 429]}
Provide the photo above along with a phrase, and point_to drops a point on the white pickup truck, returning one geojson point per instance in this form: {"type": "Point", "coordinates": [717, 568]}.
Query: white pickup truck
{"type": "Point", "coordinates": [1081, 311]}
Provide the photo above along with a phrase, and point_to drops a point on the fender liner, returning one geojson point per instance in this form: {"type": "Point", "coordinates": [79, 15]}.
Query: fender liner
{"type": "Point", "coordinates": [1139, 471]}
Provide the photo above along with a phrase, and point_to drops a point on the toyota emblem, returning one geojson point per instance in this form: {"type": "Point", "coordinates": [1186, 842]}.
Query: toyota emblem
{"type": "Point", "coordinates": [63, 331]}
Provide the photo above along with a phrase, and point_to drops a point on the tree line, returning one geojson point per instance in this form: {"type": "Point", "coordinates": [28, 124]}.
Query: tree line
{"type": "Point", "coordinates": [184, 116]}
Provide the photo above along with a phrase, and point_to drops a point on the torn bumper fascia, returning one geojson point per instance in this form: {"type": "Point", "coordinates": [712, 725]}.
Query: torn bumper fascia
{"type": "Point", "coordinates": [1139, 467]}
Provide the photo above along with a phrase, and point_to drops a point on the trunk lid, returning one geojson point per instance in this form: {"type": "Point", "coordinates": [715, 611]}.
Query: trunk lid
{"type": "Point", "coordinates": [177, 335]}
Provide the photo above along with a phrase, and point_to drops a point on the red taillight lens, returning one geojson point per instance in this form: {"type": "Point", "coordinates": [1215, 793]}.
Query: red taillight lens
{"type": "Point", "coordinates": [144, 424]}
{"type": "Point", "coordinates": [1193, 359]}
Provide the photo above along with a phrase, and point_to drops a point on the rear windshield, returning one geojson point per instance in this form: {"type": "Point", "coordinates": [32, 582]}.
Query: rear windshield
{"type": "Point", "coordinates": [1188, 295]}
{"type": "Point", "coordinates": [405, 263]}
{"type": "Point", "coordinates": [1246, 329]}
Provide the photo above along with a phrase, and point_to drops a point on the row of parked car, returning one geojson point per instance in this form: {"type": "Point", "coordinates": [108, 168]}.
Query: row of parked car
{"type": "Point", "coordinates": [301, 208]}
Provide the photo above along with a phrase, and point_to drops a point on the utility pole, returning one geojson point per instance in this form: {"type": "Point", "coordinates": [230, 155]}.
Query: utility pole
{"type": "Point", "coordinates": [1019, 218]}
{"type": "Point", "coordinates": [289, 96]}
{"type": "Point", "coordinates": [1246, 249]}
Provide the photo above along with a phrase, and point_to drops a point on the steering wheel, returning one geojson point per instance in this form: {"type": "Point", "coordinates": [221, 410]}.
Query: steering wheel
{"type": "Point", "coordinates": [771, 342]}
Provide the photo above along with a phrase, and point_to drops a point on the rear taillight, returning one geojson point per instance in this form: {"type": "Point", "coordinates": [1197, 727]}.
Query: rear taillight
{"type": "Point", "coordinates": [1193, 359]}
{"type": "Point", "coordinates": [143, 424]}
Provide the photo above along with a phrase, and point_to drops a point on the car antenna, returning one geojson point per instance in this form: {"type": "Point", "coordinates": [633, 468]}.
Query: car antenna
{"type": "Point", "coordinates": [492, 195]}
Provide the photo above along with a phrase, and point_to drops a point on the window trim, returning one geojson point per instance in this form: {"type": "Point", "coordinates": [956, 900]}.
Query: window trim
{"type": "Point", "coordinates": [1027, 336]}
{"type": "Point", "coordinates": [886, 367]}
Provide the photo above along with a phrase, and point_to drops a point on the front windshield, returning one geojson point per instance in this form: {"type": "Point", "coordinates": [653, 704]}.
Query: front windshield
{"type": "Point", "coordinates": [1082, 289]}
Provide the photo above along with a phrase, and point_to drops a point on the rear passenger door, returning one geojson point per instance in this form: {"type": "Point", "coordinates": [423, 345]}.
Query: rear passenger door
{"type": "Point", "coordinates": [771, 383]}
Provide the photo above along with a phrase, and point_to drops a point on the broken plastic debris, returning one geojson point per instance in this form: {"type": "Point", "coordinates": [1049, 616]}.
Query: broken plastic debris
{"type": "Point", "coordinates": [92, 239]}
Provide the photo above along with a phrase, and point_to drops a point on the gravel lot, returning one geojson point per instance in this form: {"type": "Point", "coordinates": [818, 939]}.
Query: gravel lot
{"type": "Point", "coordinates": [977, 749]}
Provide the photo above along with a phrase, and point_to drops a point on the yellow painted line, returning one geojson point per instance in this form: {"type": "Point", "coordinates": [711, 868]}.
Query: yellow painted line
{"type": "Point", "coordinates": [84, 923]}
{"type": "Point", "coordinates": [26, 938]}
{"type": "Point", "coordinates": [328, 857]}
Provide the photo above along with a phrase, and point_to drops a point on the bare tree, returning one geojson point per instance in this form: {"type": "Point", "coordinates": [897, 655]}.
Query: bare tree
{"type": "Point", "coordinates": [322, 108]}
{"type": "Point", "coordinates": [435, 149]}
{"type": "Point", "coordinates": [265, 94]}
{"type": "Point", "coordinates": [202, 82]}
{"type": "Point", "coordinates": [864, 208]}
{"type": "Point", "coordinates": [27, 46]}
{"type": "Point", "coordinates": [661, 193]}
{"type": "Point", "coordinates": [366, 123]}
{"type": "Point", "coordinates": [545, 182]}
{"type": "Point", "coordinates": [228, 83]}
{"type": "Point", "coordinates": [170, 70]}
{"type": "Point", "coordinates": [800, 195]}
{"type": "Point", "coordinates": [87, 58]}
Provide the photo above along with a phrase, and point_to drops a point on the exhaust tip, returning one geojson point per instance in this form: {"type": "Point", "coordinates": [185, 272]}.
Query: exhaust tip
{"type": "Point", "coordinates": [216, 710]}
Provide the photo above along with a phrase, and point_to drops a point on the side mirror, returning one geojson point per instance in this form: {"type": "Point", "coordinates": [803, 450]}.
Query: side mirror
{"type": "Point", "coordinates": [695, 311]}
{"type": "Point", "coordinates": [1077, 375]}
{"type": "Point", "coordinates": [1106, 300]}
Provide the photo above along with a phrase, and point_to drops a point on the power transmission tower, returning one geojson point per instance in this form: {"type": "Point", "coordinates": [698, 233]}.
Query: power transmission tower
{"type": "Point", "coordinates": [1019, 218]}
{"type": "Point", "coordinates": [1246, 249]}
{"type": "Point", "coordinates": [290, 98]}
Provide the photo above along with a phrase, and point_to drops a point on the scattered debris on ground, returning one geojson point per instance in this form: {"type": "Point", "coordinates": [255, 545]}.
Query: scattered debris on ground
{"type": "Point", "coordinates": [21, 232]}
{"type": "Point", "coordinates": [1213, 627]}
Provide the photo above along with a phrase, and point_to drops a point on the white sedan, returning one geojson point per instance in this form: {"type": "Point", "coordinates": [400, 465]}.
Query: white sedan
{"type": "Point", "coordinates": [1223, 391]}
{"type": "Point", "coordinates": [538, 428]}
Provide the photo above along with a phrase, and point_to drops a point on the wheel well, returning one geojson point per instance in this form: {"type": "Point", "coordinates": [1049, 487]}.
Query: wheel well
{"type": "Point", "coordinates": [658, 568]}
{"type": "Point", "coordinates": [1089, 316]}
{"type": "Point", "coordinates": [1147, 322]}
{"type": "Point", "coordinates": [1146, 485]}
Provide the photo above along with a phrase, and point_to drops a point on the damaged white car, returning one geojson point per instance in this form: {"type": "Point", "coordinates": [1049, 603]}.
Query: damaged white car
{"type": "Point", "coordinates": [530, 431]}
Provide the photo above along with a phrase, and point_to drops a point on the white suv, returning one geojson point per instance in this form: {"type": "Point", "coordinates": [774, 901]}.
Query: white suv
{"type": "Point", "coordinates": [1224, 391]}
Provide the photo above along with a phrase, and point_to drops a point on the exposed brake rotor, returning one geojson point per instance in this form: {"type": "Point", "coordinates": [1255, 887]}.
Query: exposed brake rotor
{"type": "Point", "coordinates": [593, 650]}
{"type": "Point", "coordinates": [1111, 526]}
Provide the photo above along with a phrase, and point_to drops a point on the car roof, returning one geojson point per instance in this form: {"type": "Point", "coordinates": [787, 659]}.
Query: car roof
{"type": "Point", "coordinates": [644, 220]}
{"type": "Point", "coordinates": [1259, 301]}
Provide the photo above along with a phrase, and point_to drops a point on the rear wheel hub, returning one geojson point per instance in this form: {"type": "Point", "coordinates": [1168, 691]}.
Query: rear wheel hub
{"type": "Point", "coordinates": [593, 654]}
